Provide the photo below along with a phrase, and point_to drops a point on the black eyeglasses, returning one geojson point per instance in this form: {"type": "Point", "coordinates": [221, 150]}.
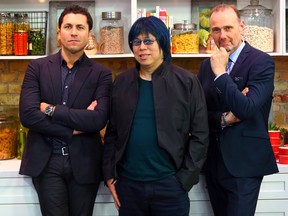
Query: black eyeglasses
{"type": "Point", "coordinates": [137, 42]}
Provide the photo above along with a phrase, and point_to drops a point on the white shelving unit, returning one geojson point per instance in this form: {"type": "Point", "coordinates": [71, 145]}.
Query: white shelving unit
{"type": "Point", "coordinates": [180, 10]}
{"type": "Point", "coordinates": [18, 195]}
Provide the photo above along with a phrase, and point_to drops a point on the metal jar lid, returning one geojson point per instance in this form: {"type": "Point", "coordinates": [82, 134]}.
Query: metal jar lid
{"type": "Point", "coordinates": [185, 26]}
{"type": "Point", "coordinates": [111, 15]}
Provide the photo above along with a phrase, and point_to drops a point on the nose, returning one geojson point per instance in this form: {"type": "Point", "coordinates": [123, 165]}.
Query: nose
{"type": "Point", "coordinates": [142, 45]}
{"type": "Point", "coordinates": [73, 30]}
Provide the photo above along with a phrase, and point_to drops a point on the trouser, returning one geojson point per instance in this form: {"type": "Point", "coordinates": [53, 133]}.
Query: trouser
{"type": "Point", "coordinates": [157, 198]}
{"type": "Point", "coordinates": [229, 195]}
{"type": "Point", "coordinates": [58, 192]}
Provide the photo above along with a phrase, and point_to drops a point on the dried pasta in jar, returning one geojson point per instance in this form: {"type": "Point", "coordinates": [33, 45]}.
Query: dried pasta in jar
{"type": "Point", "coordinates": [185, 38]}
{"type": "Point", "coordinates": [6, 34]}
{"type": "Point", "coordinates": [185, 43]}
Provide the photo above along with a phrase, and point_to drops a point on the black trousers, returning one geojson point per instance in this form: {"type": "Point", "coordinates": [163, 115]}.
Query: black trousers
{"type": "Point", "coordinates": [157, 198]}
{"type": "Point", "coordinates": [229, 195]}
{"type": "Point", "coordinates": [58, 192]}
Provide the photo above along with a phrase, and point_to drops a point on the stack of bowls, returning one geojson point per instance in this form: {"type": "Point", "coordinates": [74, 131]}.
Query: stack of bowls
{"type": "Point", "coordinates": [283, 154]}
{"type": "Point", "coordinates": [275, 141]}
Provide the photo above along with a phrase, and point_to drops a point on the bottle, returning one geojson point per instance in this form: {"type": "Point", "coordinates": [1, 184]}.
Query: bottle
{"type": "Point", "coordinates": [21, 140]}
{"type": "Point", "coordinates": [36, 41]}
{"type": "Point", "coordinates": [111, 33]}
{"type": "Point", "coordinates": [21, 31]}
{"type": "Point", "coordinates": [6, 34]}
{"type": "Point", "coordinates": [185, 38]}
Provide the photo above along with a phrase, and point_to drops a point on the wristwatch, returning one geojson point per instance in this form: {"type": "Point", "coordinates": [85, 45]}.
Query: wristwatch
{"type": "Point", "coordinates": [49, 110]}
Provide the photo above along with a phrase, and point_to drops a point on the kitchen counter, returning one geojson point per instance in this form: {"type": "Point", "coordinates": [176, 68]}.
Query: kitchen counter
{"type": "Point", "coordinates": [17, 195]}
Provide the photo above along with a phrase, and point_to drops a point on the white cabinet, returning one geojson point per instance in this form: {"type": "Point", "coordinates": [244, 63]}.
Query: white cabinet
{"type": "Point", "coordinates": [180, 10]}
{"type": "Point", "coordinates": [18, 195]}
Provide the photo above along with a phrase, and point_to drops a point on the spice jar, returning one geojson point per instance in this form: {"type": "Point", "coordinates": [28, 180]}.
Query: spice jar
{"type": "Point", "coordinates": [8, 144]}
{"type": "Point", "coordinates": [185, 38]}
{"type": "Point", "coordinates": [21, 31]}
{"type": "Point", "coordinates": [258, 31]}
{"type": "Point", "coordinates": [6, 34]}
{"type": "Point", "coordinates": [111, 33]}
{"type": "Point", "coordinates": [36, 41]}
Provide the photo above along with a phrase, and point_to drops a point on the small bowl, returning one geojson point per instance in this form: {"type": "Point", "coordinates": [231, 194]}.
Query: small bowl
{"type": "Point", "coordinates": [274, 133]}
{"type": "Point", "coordinates": [275, 141]}
{"type": "Point", "coordinates": [283, 150]}
{"type": "Point", "coordinates": [275, 148]}
{"type": "Point", "coordinates": [283, 159]}
{"type": "Point", "coordinates": [276, 154]}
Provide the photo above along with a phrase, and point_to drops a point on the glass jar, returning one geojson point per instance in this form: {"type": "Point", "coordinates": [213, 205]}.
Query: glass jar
{"type": "Point", "coordinates": [111, 33]}
{"type": "Point", "coordinates": [185, 38]}
{"type": "Point", "coordinates": [21, 31]}
{"type": "Point", "coordinates": [36, 41]}
{"type": "Point", "coordinates": [6, 34]}
{"type": "Point", "coordinates": [258, 30]}
{"type": "Point", "coordinates": [8, 137]}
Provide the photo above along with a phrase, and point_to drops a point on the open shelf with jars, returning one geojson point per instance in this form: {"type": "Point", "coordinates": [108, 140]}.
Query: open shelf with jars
{"type": "Point", "coordinates": [180, 11]}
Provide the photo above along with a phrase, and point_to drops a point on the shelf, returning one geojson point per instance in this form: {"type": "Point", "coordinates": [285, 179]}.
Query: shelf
{"type": "Point", "coordinates": [180, 10]}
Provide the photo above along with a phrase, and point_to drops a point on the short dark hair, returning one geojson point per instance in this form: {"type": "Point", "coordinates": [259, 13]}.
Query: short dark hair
{"type": "Point", "coordinates": [157, 28]}
{"type": "Point", "coordinates": [76, 9]}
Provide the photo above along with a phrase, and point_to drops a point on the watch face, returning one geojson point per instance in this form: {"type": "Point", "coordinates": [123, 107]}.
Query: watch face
{"type": "Point", "coordinates": [48, 110]}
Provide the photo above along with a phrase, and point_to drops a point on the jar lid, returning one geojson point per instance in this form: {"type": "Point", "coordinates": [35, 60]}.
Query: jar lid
{"type": "Point", "coordinates": [185, 26]}
{"type": "Point", "coordinates": [4, 14]}
{"type": "Point", "coordinates": [254, 9]}
{"type": "Point", "coordinates": [21, 15]}
{"type": "Point", "coordinates": [114, 15]}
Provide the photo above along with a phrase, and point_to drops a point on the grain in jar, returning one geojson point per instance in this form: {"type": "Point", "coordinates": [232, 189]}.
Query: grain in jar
{"type": "Point", "coordinates": [185, 38]}
{"type": "Point", "coordinates": [258, 31]}
{"type": "Point", "coordinates": [111, 33]}
{"type": "Point", "coordinates": [6, 34]}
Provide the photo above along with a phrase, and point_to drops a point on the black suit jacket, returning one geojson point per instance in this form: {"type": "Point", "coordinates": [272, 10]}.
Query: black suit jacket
{"type": "Point", "coordinates": [42, 83]}
{"type": "Point", "coordinates": [245, 146]}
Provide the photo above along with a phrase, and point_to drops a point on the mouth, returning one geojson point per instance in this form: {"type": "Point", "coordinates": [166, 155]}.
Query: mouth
{"type": "Point", "coordinates": [144, 56]}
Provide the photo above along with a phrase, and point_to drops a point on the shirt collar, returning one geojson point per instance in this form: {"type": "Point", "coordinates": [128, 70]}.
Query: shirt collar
{"type": "Point", "coordinates": [237, 52]}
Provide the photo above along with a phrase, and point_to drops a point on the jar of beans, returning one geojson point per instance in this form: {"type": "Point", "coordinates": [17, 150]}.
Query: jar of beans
{"type": "Point", "coordinates": [111, 33]}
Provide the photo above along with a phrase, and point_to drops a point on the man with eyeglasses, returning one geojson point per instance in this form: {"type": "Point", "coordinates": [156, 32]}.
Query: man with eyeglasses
{"type": "Point", "coordinates": [157, 136]}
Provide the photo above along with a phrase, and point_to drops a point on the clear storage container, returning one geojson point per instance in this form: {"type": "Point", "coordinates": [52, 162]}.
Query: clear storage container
{"type": "Point", "coordinates": [111, 33]}
{"type": "Point", "coordinates": [258, 30]}
{"type": "Point", "coordinates": [6, 34]}
{"type": "Point", "coordinates": [8, 137]}
{"type": "Point", "coordinates": [185, 38]}
{"type": "Point", "coordinates": [21, 31]}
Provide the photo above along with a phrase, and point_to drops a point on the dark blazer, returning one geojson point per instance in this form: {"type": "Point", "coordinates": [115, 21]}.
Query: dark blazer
{"type": "Point", "coordinates": [245, 146]}
{"type": "Point", "coordinates": [181, 119]}
{"type": "Point", "coordinates": [42, 83]}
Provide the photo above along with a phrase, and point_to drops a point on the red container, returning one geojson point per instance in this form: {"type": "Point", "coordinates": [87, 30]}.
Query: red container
{"type": "Point", "coordinates": [276, 154]}
{"type": "Point", "coordinates": [21, 43]}
{"type": "Point", "coordinates": [283, 150]}
{"type": "Point", "coordinates": [275, 148]}
{"type": "Point", "coordinates": [274, 133]}
{"type": "Point", "coordinates": [275, 141]}
{"type": "Point", "coordinates": [283, 159]}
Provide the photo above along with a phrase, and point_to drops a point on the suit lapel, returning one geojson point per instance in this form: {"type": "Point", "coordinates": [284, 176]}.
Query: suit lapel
{"type": "Point", "coordinates": [54, 72]}
{"type": "Point", "coordinates": [80, 77]}
{"type": "Point", "coordinates": [243, 55]}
